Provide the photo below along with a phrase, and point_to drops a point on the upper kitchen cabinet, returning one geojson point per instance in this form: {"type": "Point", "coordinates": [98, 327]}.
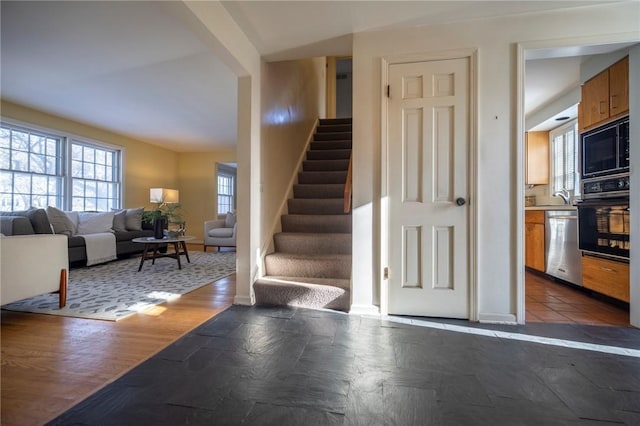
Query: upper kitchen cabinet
{"type": "Point", "coordinates": [619, 88]}
{"type": "Point", "coordinates": [605, 96]}
{"type": "Point", "coordinates": [537, 165]}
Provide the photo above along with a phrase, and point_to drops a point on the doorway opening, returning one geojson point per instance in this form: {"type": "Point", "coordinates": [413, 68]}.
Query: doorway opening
{"type": "Point", "coordinates": [551, 81]}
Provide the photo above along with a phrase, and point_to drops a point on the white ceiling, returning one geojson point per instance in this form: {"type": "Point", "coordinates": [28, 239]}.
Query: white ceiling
{"type": "Point", "coordinates": [136, 69]}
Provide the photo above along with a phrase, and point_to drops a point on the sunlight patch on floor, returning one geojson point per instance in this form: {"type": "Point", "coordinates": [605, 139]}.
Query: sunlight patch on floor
{"type": "Point", "coordinates": [614, 350]}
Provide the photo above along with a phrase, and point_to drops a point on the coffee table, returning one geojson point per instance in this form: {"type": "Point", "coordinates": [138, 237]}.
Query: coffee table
{"type": "Point", "coordinates": [153, 244]}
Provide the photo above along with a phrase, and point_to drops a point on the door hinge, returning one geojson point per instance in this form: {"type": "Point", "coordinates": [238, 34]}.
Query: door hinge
{"type": "Point", "coordinates": [388, 91]}
{"type": "Point", "coordinates": [386, 273]}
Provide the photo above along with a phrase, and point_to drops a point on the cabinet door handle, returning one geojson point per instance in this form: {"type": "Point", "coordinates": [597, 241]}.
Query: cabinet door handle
{"type": "Point", "coordinates": [600, 107]}
{"type": "Point", "coordinates": [611, 101]}
{"type": "Point", "coordinates": [607, 269]}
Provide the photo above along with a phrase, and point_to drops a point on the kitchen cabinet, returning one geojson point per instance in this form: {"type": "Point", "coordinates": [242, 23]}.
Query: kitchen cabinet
{"type": "Point", "coordinates": [534, 247]}
{"type": "Point", "coordinates": [606, 277]}
{"type": "Point", "coordinates": [619, 88]}
{"type": "Point", "coordinates": [605, 96]}
{"type": "Point", "coordinates": [537, 164]}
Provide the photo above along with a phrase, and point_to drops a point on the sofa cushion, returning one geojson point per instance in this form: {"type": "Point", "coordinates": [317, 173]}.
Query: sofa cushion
{"type": "Point", "coordinates": [75, 242]}
{"type": "Point", "coordinates": [130, 235]}
{"type": "Point", "coordinates": [40, 221]}
{"type": "Point", "coordinates": [38, 218]}
{"type": "Point", "coordinates": [61, 221]}
{"type": "Point", "coordinates": [94, 223]}
{"type": "Point", "coordinates": [15, 225]}
{"type": "Point", "coordinates": [221, 232]}
{"type": "Point", "coordinates": [119, 221]}
{"type": "Point", "coordinates": [230, 220]}
{"type": "Point", "coordinates": [133, 219]}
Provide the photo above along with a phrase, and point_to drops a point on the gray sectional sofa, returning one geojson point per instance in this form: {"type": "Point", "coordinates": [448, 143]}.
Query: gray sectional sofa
{"type": "Point", "coordinates": [36, 221]}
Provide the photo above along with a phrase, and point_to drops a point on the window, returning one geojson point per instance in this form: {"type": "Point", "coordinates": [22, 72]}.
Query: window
{"type": "Point", "coordinates": [95, 183]}
{"type": "Point", "coordinates": [564, 158]}
{"type": "Point", "coordinates": [41, 168]}
{"type": "Point", "coordinates": [226, 188]}
{"type": "Point", "coordinates": [30, 169]}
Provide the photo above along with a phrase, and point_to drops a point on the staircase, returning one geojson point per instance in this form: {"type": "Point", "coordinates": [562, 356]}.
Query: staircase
{"type": "Point", "coordinates": [311, 264]}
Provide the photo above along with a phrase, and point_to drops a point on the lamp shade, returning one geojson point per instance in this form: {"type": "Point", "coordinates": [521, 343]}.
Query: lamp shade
{"type": "Point", "coordinates": [164, 195]}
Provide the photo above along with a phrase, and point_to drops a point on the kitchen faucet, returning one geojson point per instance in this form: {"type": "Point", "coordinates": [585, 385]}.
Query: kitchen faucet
{"type": "Point", "coordinates": [564, 194]}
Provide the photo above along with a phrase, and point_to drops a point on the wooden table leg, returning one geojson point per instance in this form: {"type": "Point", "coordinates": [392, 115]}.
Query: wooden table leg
{"type": "Point", "coordinates": [176, 247]}
{"type": "Point", "coordinates": [144, 256]}
{"type": "Point", "coordinates": [155, 251]}
{"type": "Point", "coordinates": [186, 253]}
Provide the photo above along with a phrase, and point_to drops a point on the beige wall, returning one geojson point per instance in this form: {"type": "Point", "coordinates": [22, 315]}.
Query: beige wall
{"type": "Point", "coordinates": [497, 193]}
{"type": "Point", "coordinates": [198, 187]}
{"type": "Point", "coordinates": [145, 165]}
{"type": "Point", "coordinates": [292, 98]}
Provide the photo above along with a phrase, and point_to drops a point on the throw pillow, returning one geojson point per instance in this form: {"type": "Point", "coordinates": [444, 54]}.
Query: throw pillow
{"type": "Point", "coordinates": [133, 219]}
{"type": "Point", "coordinates": [119, 221]}
{"type": "Point", "coordinates": [230, 220]}
{"type": "Point", "coordinates": [61, 221]}
{"type": "Point", "coordinates": [93, 223]}
{"type": "Point", "coordinates": [39, 221]}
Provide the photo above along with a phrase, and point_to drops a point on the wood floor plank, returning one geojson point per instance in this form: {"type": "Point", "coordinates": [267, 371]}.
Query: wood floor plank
{"type": "Point", "coordinates": [50, 363]}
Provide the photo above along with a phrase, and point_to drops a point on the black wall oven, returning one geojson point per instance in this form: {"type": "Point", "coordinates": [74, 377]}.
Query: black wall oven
{"type": "Point", "coordinates": [604, 227]}
{"type": "Point", "coordinates": [605, 150]}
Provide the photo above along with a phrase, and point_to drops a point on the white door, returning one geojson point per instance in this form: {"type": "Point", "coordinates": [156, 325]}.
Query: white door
{"type": "Point", "coordinates": [428, 140]}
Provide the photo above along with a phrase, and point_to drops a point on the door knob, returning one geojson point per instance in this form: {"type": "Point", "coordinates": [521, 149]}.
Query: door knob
{"type": "Point", "coordinates": [460, 201]}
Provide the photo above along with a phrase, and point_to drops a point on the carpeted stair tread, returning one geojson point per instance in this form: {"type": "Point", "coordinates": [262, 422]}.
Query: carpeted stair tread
{"type": "Point", "coordinates": [330, 121]}
{"type": "Point", "coordinates": [310, 243]}
{"type": "Point", "coordinates": [333, 282]}
{"type": "Point", "coordinates": [314, 190]}
{"type": "Point", "coordinates": [332, 136]}
{"type": "Point", "coordinates": [325, 165]}
{"type": "Point", "coordinates": [316, 206]}
{"type": "Point", "coordinates": [316, 223]}
{"type": "Point", "coordinates": [330, 145]}
{"type": "Point", "coordinates": [271, 291]}
{"type": "Point", "coordinates": [334, 128]}
{"type": "Point", "coordinates": [308, 265]}
{"type": "Point", "coordinates": [323, 177]}
{"type": "Point", "coordinates": [329, 154]}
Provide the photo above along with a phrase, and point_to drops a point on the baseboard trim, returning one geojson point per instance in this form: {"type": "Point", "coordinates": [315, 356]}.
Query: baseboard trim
{"type": "Point", "coordinates": [243, 300]}
{"type": "Point", "coordinates": [497, 319]}
{"type": "Point", "coordinates": [365, 310]}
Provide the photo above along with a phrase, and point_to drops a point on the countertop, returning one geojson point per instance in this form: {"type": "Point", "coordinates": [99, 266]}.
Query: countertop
{"type": "Point", "coordinates": [553, 207]}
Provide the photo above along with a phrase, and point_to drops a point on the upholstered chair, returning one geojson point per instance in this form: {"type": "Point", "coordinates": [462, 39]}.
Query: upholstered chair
{"type": "Point", "coordinates": [33, 265]}
{"type": "Point", "coordinates": [220, 232]}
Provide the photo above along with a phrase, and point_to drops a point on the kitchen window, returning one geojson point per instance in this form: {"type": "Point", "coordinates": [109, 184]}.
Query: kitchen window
{"type": "Point", "coordinates": [42, 167]}
{"type": "Point", "coordinates": [564, 158]}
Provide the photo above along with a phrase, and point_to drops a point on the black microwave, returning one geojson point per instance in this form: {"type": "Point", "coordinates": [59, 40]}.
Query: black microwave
{"type": "Point", "coordinates": [605, 150]}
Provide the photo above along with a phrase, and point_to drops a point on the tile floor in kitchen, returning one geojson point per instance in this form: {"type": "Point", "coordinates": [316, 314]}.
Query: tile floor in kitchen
{"type": "Point", "coordinates": [552, 302]}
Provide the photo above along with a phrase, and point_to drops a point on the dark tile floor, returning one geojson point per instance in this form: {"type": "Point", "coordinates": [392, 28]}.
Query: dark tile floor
{"type": "Point", "coordinates": [271, 366]}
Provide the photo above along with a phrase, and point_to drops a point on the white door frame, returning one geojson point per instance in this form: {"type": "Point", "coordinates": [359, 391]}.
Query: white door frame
{"type": "Point", "coordinates": [522, 47]}
{"type": "Point", "coordinates": [386, 61]}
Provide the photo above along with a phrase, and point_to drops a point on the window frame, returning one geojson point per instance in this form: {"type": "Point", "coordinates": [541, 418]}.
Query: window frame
{"type": "Point", "coordinates": [64, 162]}
{"type": "Point", "coordinates": [223, 170]}
{"type": "Point", "coordinates": [562, 130]}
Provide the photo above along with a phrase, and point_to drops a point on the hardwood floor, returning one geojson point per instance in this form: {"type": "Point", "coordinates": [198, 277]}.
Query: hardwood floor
{"type": "Point", "coordinates": [50, 363]}
{"type": "Point", "coordinates": [552, 302]}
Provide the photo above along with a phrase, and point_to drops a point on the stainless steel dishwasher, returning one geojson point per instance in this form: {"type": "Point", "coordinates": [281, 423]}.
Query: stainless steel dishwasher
{"type": "Point", "coordinates": [561, 240]}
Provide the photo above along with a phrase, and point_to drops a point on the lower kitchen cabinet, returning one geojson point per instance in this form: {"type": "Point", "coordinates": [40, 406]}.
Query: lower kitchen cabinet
{"type": "Point", "coordinates": [534, 247]}
{"type": "Point", "coordinates": [605, 276]}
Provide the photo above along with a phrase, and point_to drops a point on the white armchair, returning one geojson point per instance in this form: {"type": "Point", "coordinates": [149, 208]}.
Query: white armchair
{"type": "Point", "coordinates": [220, 232]}
{"type": "Point", "coordinates": [32, 265]}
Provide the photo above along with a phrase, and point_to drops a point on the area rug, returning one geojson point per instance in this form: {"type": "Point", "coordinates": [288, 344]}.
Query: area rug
{"type": "Point", "coordinates": [115, 290]}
